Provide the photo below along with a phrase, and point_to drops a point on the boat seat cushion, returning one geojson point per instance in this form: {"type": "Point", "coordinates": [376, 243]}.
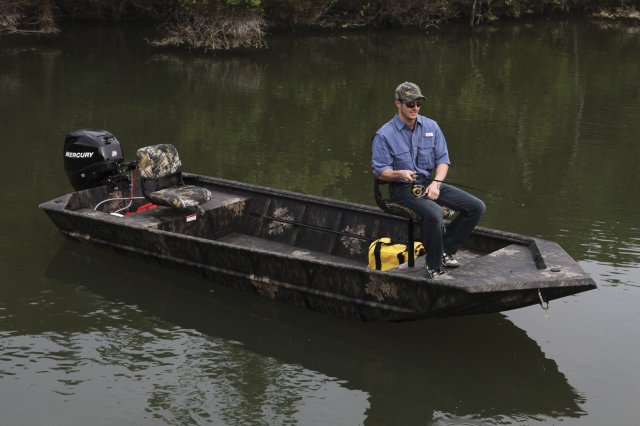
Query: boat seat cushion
{"type": "Point", "coordinates": [400, 210]}
{"type": "Point", "coordinates": [161, 176]}
{"type": "Point", "coordinates": [158, 161]}
{"type": "Point", "coordinates": [389, 206]}
{"type": "Point", "coordinates": [181, 197]}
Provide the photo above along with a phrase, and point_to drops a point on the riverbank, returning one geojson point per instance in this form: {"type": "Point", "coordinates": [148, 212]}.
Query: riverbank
{"type": "Point", "coordinates": [230, 24]}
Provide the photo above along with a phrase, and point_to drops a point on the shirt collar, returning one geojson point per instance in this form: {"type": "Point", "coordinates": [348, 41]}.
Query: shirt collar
{"type": "Point", "coordinates": [401, 124]}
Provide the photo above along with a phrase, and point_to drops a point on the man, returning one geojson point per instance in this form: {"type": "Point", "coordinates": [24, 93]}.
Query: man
{"type": "Point", "coordinates": [411, 149]}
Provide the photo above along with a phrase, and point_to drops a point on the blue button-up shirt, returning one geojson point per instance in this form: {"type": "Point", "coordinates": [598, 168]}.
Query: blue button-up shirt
{"type": "Point", "coordinates": [396, 146]}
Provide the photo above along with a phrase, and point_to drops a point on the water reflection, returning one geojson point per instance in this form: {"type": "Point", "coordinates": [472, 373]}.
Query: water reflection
{"type": "Point", "coordinates": [106, 355]}
{"type": "Point", "coordinates": [236, 352]}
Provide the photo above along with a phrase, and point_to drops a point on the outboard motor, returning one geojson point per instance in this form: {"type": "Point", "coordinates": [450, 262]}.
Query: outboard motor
{"type": "Point", "coordinates": [91, 158]}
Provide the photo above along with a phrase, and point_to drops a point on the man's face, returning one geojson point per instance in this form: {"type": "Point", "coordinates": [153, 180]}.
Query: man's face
{"type": "Point", "coordinates": [409, 110]}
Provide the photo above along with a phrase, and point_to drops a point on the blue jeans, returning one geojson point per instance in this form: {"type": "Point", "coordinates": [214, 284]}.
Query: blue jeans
{"type": "Point", "coordinates": [436, 238]}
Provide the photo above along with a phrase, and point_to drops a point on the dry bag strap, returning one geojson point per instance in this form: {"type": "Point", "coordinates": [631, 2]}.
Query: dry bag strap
{"type": "Point", "coordinates": [378, 257]}
{"type": "Point", "coordinates": [376, 254]}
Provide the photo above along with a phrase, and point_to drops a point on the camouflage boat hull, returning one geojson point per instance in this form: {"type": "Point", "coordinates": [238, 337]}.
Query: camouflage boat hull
{"type": "Point", "coordinates": [312, 252]}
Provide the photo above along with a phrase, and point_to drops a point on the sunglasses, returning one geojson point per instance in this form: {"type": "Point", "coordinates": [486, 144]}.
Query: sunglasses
{"type": "Point", "coordinates": [411, 105]}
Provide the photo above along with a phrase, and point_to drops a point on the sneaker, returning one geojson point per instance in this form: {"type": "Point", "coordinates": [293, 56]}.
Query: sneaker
{"type": "Point", "coordinates": [433, 273]}
{"type": "Point", "coordinates": [449, 261]}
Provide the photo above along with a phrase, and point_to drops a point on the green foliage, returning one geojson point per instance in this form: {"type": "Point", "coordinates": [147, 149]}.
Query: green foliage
{"type": "Point", "coordinates": [242, 4]}
{"type": "Point", "coordinates": [250, 3]}
{"type": "Point", "coordinates": [206, 20]}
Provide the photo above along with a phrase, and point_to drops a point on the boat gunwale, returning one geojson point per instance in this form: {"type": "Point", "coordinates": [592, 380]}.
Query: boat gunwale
{"type": "Point", "coordinates": [507, 236]}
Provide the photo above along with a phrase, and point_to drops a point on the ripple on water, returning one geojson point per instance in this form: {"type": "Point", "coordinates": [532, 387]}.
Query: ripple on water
{"type": "Point", "coordinates": [178, 376]}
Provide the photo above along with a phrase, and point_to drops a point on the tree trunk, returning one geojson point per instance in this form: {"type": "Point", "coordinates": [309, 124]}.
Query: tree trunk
{"type": "Point", "coordinates": [47, 20]}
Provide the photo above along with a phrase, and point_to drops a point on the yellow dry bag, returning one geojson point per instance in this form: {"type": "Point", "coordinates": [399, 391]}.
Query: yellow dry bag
{"type": "Point", "coordinates": [385, 254]}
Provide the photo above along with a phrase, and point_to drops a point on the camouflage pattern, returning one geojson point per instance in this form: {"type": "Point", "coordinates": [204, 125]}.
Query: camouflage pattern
{"type": "Point", "coordinates": [158, 161]}
{"type": "Point", "coordinates": [400, 210]}
{"type": "Point", "coordinates": [407, 92]}
{"type": "Point", "coordinates": [181, 197]}
{"type": "Point", "coordinates": [448, 213]}
{"type": "Point", "coordinates": [161, 161]}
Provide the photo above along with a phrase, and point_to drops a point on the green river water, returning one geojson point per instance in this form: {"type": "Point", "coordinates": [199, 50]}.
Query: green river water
{"type": "Point", "coordinates": [546, 113]}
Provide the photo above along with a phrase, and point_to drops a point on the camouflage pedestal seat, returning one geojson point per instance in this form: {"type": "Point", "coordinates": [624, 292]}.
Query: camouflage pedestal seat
{"type": "Point", "coordinates": [161, 176]}
{"type": "Point", "coordinates": [400, 210]}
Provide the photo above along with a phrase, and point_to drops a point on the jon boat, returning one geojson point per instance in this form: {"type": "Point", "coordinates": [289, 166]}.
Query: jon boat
{"type": "Point", "coordinates": [300, 249]}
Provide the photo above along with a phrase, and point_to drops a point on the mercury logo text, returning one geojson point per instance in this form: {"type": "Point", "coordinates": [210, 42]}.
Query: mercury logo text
{"type": "Point", "coordinates": [78, 154]}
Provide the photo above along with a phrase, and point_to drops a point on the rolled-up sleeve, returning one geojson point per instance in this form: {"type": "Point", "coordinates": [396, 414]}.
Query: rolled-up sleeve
{"type": "Point", "coordinates": [381, 159]}
{"type": "Point", "coordinates": [440, 145]}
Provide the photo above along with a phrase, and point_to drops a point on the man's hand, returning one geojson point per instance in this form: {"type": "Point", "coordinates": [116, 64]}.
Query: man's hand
{"type": "Point", "coordinates": [433, 190]}
{"type": "Point", "coordinates": [407, 176]}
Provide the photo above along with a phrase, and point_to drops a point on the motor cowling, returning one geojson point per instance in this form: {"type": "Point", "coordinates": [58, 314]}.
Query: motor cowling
{"type": "Point", "coordinates": [91, 158]}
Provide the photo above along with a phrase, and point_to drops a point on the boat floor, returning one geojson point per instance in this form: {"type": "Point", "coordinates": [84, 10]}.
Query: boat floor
{"type": "Point", "coordinates": [244, 240]}
{"type": "Point", "coordinates": [464, 256]}
{"type": "Point", "coordinates": [511, 267]}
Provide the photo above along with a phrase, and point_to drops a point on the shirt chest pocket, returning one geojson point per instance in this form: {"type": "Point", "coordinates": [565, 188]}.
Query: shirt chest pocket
{"type": "Point", "coordinates": [426, 154]}
{"type": "Point", "coordinates": [402, 161]}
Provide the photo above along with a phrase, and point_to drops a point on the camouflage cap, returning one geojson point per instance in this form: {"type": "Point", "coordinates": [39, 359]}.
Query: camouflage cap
{"type": "Point", "coordinates": [407, 92]}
